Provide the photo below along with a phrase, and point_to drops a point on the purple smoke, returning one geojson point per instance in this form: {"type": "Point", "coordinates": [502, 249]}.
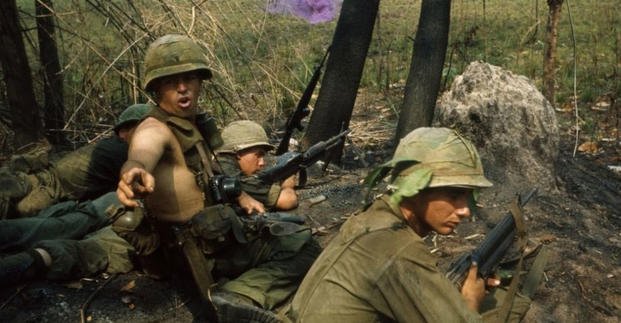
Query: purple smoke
{"type": "Point", "coordinates": [313, 11]}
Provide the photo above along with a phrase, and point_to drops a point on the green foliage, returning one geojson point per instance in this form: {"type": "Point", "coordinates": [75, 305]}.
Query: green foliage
{"type": "Point", "coordinates": [262, 62]}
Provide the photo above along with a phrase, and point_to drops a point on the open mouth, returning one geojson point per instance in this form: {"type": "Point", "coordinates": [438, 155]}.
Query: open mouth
{"type": "Point", "coordinates": [184, 103]}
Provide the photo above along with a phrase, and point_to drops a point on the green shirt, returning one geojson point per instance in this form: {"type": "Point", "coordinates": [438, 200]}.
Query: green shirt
{"type": "Point", "coordinates": [266, 194]}
{"type": "Point", "coordinates": [377, 269]}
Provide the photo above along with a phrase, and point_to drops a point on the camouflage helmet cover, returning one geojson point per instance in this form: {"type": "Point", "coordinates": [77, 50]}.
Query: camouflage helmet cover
{"type": "Point", "coordinates": [173, 54]}
{"type": "Point", "coordinates": [133, 113]}
{"type": "Point", "coordinates": [243, 134]}
{"type": "Point", "coordinates": [432, 157]}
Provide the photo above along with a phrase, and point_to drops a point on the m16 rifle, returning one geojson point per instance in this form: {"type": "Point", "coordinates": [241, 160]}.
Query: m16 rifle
{"type": "Point", "coordinates": [491, 251]}
{"type": "Point", "coordinates": [294, 162]}
{"type": "Point", "coordinates": [302, 110]}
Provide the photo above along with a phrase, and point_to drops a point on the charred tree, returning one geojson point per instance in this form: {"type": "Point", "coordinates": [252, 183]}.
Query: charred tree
{"type": "Point", "coordinates": [20, 93]}
{"type": "Point", "coordinates": [428, 54]}
{"type": "Point", "coordinates": [339, 85]}
{"type": "Point", "coordinates": [54, 110]}
{"type": "Point", "coordinates": [549, 58]}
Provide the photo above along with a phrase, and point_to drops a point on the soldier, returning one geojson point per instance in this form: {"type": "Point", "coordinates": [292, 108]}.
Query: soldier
{"type": "Point", "coordinates": [242, 155]}
{"type": "Point", "coordinates": [86, 173]}
{"type": "Point", "coordinates": [171, 168]}
{"type": "Point", "coordinates": [378, 268]}
{"type": "Point", "coordinates": [70, 239]}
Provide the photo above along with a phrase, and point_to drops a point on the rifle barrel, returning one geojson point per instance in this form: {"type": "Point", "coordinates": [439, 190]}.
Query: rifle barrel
{"type": "Point", "coordinates": [492, 248]}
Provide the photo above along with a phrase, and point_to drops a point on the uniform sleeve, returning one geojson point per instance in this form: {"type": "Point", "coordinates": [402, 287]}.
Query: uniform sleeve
{"type": "Point", "coordinates": [266, 194]}
{"type": "Point", "coordinates": [415, 290]}
{"type": "Point", "coordinates": [92, 170]}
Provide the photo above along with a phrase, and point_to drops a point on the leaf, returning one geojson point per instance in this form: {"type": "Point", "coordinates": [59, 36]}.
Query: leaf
{"type": "Point", "coordinates": [129, 286]}
{"type": "Point", "coordinates": [74, 285]}
{"type": "Point", "coordinates": [411, 184]}
{"type": "Point", "coordinates": [588, 147]}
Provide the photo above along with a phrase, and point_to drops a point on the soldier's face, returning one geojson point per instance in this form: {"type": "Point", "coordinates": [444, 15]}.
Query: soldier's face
{"type": "Point", "coordinates": [178, 94]}
{"type": "Point", "coordinates": [437, 209]}
{"type": "Point", "coordinates": [251, 160]}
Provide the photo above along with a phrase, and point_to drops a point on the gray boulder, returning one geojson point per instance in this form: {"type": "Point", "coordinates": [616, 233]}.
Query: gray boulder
{"type": "Point", "coordinates": [512, 125]}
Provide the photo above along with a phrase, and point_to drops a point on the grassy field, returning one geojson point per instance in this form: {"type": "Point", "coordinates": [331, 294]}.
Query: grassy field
{"type": "Point", "coordinates": [263, 61]}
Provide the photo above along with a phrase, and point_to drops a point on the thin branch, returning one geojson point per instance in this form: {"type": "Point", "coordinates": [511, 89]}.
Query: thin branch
{"type": "Point", "coordinates": [91, 297]}
{"type": "Point", "coordinates": [10, 299]}
{"type": "Point", "coordinates": [110, 65]}
{"type": "Point", "coordinates": [573, 42]}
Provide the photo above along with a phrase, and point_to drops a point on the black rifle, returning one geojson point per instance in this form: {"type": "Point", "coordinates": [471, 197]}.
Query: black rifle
{"type": "Point", "coordinates": [302, 110]}
{"type": "Point", "coordinates": [491, 251]}
{"type": "Point", "coordinates": [295, 162]}
{"type": "Point", "coordinates": [276, 223]}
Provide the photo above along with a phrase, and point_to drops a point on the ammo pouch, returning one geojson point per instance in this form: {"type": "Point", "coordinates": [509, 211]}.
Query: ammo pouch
{"type": "Point", "coordinates": [212, 228]}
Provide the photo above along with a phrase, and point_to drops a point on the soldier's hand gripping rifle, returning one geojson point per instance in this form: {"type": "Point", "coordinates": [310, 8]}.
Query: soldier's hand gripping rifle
{"type": "Point", "coordinates": [491, 251]}
{"type": "Point", "coordinates": [295, 162]}
{"type": "Point", "coordinates": [302, 110]}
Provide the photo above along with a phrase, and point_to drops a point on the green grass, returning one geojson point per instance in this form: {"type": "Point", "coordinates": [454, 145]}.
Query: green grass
{"type": "Point", "coordinates": [262, 62]}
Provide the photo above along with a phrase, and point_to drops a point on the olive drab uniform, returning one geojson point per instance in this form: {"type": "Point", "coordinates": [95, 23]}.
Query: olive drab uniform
{"type": "Point", "coordinates": [263, 268]}
{"type": "Point", "coordinates": [76, 236]}
{"type": "Point", "coordinates": [397, 277]}
{"type": "Point", "coordinates": [377, 268]}
{"type": "Point", "coordinates": [86, 173]}
{"type": "Point", "coordinates": [266, 194]}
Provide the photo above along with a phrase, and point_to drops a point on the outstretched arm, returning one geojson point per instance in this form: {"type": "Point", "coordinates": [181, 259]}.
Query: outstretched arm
{"type": "Point", "coordinates": [146, 148]}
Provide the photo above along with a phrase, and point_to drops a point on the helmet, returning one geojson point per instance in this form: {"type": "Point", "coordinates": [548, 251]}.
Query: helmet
{"type": "Point", "coordinates": [173, 54]}
{"type": "Point", "coordinates": [133, 113]}
{"type": "Point", "coordinates": [239, 135]}
{"type": "Point", "coordinates": [431, 157]}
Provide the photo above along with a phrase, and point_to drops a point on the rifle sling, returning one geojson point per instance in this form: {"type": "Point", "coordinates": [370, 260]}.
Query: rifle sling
{"type": "Point", "coordinates": [199, 266]}
{"type": "Point", "coordinates": [205, 160]}
{"type": "Point", "coordinates": [520, 232]}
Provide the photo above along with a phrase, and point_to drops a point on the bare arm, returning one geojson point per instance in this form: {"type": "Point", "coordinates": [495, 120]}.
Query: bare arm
{"type": "Point", "coordinates": [288, 198]}
{"type": "Point", "coordinates": [147, 146]}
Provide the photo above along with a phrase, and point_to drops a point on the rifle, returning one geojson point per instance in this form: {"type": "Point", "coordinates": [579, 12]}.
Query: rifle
{"type": "Point", "coordinates": [276, 223]}
{"type": "Point", "coordinates": [491, 251]}
{"type": "Point", "coordinates": [302, 110]}
{"type": "Point", "coordinates": [294, 162]}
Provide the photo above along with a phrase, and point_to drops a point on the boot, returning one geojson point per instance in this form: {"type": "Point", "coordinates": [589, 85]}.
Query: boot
{"type": "Point", "coordinates": [20, 267]}
{"type": "Point", "coordinates": [233, 307]}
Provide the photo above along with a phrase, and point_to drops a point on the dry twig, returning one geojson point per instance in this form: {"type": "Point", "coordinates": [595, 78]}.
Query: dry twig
{"type": "Point", "coordinates": [10, 299]}
{"type": "Point", "coordinates": [92, 296]}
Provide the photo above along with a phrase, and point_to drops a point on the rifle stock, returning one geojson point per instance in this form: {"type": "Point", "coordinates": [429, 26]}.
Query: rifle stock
{"type": "Point", "coordinates": [295, 162]}
{"type": "Point", "coordinates": [491, 251]}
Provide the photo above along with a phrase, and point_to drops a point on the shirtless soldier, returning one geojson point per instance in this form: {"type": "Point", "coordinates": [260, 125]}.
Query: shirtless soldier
{"type": "Point", "coordinates": [166, 167]}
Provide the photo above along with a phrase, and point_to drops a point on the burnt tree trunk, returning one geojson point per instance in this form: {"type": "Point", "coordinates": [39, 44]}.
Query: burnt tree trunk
{"type": "Point", "coordinates": [339, 85]}
{"type": "Point", "coordinates": [549, 58]}
{"type": "Point", "coordinates": [20, 94]}
{"type": "Point", "coordinates": [428, 54]}
{"type": "Point", "coordinates": [54, 110]}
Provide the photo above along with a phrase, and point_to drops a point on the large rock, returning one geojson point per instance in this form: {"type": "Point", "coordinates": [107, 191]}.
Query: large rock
{"type": "Point", "coordinates": [512, 125]}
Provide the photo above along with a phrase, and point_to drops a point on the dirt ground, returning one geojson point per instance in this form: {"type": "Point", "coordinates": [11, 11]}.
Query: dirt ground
{"type": "Point", "coordinates": [580, 223]}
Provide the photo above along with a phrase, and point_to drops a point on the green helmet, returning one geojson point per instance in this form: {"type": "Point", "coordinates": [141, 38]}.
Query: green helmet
{"type": "Point", "coordinates": [173, 54]}
{"type": "Point", "coordinates": [133, 113]}
{"type": "Point", "coordinates": [431, 157]}
{"type": "Point", "coordinates": [243, 134]}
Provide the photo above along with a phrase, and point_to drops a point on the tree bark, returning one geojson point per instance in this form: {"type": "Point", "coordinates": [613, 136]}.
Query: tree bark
{"type": "Point", "coordinates": [339, 85]}
{"type": "Point", "coordinates": [428, 54]}
{"type": "Point", "coordinates": [549, 59]}
{"type": "Point", "coordinates": [54, 110]}
{"type": "Point", "coordinates": [20, 94]}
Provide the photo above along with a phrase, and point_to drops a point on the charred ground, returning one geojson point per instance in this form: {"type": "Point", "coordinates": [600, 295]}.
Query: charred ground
{"type": "Point", "coordinates": [580, 223]}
